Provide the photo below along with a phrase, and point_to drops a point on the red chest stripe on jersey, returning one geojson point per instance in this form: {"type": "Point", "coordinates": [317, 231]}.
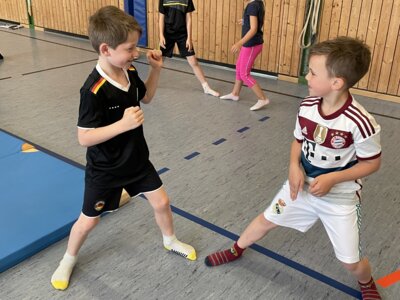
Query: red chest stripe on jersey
{"type": "Point", "coordinates": [334, 138]}
{"type": "Point", "coordinates": [95, 88]}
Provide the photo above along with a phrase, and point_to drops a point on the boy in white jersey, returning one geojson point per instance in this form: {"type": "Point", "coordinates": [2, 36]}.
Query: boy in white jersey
{"type": "Point", "coordinates": [337, 142]}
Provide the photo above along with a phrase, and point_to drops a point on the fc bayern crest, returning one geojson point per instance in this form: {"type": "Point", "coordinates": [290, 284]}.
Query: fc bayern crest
{"type": "Point", "coordinates": [338, 142]}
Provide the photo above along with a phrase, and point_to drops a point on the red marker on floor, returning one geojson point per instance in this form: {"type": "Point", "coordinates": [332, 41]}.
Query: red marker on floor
{"type": "Point", "coordinates": [390, 279]}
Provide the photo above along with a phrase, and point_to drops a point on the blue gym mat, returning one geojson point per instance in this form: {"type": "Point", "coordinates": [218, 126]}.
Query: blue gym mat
{"type": "Point", "coordinates": [41, 197]}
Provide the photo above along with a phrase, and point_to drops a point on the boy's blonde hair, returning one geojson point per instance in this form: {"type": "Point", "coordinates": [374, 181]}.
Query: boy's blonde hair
{"type": "Point", "coordinates": [111, 25]}
{"type": "Point", "coordinates": [346, 58]}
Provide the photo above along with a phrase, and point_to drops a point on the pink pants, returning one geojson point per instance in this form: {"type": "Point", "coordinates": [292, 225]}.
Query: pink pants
{"type": "Point", "coordinates": [245, 63]}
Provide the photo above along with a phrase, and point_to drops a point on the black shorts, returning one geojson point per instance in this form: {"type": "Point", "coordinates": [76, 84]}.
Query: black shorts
{"type": "Point", "coordinates": [180, 41]}
{"type": "Point", "coordinates": [98, 200]}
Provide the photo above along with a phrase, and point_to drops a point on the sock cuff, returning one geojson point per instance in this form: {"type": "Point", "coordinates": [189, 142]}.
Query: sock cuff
{"type": "Point", "coordinates": [238, 249]}
{"type": "Point", "coordinates": [367, 283]}
{"type": "Point", "coordinates": [169, 239]}
{"type": "Point", "coordinates": [69, 257]}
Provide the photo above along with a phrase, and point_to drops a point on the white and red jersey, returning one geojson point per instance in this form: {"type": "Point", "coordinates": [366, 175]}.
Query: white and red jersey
{"type": "Point", "coordinates": [336, 142]}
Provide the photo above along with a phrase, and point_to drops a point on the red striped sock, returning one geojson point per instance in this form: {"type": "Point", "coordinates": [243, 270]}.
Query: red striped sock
{"type": "Point", "coordinates": [369, 290]}
{"type": "Point", "coordinates": [223, 257]}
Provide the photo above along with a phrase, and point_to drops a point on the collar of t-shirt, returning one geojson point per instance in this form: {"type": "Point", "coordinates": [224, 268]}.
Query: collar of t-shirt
{"type": "Point", "coordinates": [113, 82]}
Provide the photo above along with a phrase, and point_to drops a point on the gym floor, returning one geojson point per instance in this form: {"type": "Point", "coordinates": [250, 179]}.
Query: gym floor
{"type": "Point", "coordinates": [242, 162]}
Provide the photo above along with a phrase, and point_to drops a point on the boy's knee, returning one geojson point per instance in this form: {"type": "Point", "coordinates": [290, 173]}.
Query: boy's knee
{"type": "Point", "coordinates": [161, 204]}
{"type": "Point", "coordinates": [192, 61]}
{"type": "Point", "coordinates": [350, 267]}
{"type": "Point", "coordinates": [86, 224]}
{"type": "Point", "coordinates": [267, 224]}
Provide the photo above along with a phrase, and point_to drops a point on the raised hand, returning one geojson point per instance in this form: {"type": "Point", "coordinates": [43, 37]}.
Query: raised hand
{"type": "Point", "coordinates": [132, 118]}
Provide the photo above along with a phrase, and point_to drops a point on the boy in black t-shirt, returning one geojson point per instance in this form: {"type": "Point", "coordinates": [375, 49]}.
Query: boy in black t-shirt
{"type": "Point", "coordinates": [175, 24]}
{"type": "Point", "coordinates": [110, 126]}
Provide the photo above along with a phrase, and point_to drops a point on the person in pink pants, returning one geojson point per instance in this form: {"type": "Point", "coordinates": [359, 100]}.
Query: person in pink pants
{"type": "Point", "coordinates": [250, 46]}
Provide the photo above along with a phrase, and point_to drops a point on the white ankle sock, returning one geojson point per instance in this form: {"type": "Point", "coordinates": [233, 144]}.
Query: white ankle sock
{"type": "Point", "coordinates": [209, 90]}
{"type": "Point", "coordinates": [260, 104]}
{"type": "Point", "coordinates": [60, 278]}
{"type": "Point", "coordinates": [171, 243]}
{"type": "Point", "coordinates": [229, 97]}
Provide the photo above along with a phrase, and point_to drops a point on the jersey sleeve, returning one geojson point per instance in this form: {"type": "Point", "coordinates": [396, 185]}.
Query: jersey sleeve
{"type": "Point", "coordinates": [298, 135]}
{"type": "Point", "coordinates": [90, 112]}
{"type": "Point", "coordinates": [161, 7]}
{"type": "Point", "coordinates": [367, 140]}
{"type": "Point", "coordinates": [252, 9]}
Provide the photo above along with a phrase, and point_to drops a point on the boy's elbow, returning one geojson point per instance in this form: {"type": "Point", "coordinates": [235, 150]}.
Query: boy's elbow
{"type": "Point", "coordinates": [82, 142]}
{"type": "Point", "coordinates": [82, 139]}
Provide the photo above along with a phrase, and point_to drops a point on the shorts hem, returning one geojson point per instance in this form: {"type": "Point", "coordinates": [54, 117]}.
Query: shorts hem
{"type": "Point", "coordinates": [281, 224]}
{"type": "Point", "coordinates": [348, 260]}
{"type": "Point", "coordinates": [99, 215]}
{"type": "Point", "coordinates": [148, 191]}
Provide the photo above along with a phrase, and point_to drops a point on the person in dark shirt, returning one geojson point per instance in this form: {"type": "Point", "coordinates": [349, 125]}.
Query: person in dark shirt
{"type": "Point", "coordinates": [110, 125]}
{"type": "Point", "coordinates": [175, 24]}
{"type": "Point", "coordinates": [250, 46]}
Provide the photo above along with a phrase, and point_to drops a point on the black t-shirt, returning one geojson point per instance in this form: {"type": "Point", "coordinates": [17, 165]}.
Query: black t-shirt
{"type": "Point", "coordinates": [125, 157]}
{"type": "Point", "coordinates": [175, 15]}
{"type": "Point", "coordinates": [255, 8]}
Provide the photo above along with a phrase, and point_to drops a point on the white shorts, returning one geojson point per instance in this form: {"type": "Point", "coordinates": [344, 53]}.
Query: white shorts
{"type": "Point", "coordinates": [341, 222]}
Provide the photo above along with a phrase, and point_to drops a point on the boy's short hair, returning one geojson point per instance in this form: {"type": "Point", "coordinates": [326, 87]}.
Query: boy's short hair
{"type": "Point", "coordinates": [346, 58]}
{"type": "Point", "coordinates": [111, 25]}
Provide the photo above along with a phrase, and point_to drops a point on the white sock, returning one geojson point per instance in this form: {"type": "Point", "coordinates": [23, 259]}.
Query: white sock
{"type": "Point", "coordinates": [171, 243]}
{"type": "Point", "coordinates": [229, 97]}
{"type": "Point", "coordinates": [209, 90]}
{"type": "Point", "coordinates": [260, 104]}
{"type": "Point", "coordinates": [60, 278]}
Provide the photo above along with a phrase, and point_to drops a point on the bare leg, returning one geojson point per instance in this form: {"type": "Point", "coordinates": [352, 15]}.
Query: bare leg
{"type": "Point", "coordinates": [259, 92]}
{"type": "Point", "coordinates": [162, 211]}
{"type": "Point", "coordinates": [237, 87]}
{"type": "Point", "coordinates": [362, 271]}
{"type": "Point", "coordinates": [234, 95]}
{"type": "Point", "coordinates": [262, 99]}
{"type": "Point", "coordinates": [256, 230]}
{"type": "Point", "coordinates": [198, 71]}
{"type": "Point", "coordinates": [79, 232]}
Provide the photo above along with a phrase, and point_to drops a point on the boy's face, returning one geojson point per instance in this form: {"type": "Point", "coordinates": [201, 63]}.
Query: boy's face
{"type": "Point", "coordinates": [319, 82]}
{"type": "Point", "coordinates": [123, 55]}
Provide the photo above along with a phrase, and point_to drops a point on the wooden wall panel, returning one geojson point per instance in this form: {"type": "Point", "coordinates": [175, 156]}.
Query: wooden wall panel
{"type": "Point", "coordinates": [215, 29]}
{"type": "Point", "coordinates": [377, 23]}
{"type": "Point", "coordinates": [67, 15]}
{"type": "Point", "coordinates": [14, 10]}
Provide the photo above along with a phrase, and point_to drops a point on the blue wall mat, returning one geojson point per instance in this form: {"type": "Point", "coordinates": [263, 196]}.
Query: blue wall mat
{"type": "Point", "coordinates": [40, 196]}
{"type": "Point", "coordinates": [138, 9]}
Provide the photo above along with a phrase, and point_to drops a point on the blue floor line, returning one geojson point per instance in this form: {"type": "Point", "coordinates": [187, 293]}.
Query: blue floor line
{"type": "Point", "coordinates": [314, 274]}
{"type": "Point", "coordinates": [263, 119]}
{"type": "Point", "coordinates": [220, 141]}
{"type": "Point", "coordinates": [243, 129]}
{"type": "Point", "coordinates": [190, 156]}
